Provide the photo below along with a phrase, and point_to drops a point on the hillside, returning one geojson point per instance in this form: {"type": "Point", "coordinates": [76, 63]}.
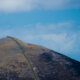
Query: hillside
{"type": "Point", "coordinates": [47, 64]}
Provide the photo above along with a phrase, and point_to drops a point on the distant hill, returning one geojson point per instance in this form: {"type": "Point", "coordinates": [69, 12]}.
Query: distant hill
{"type": "Point", "coordinates": [42, 63]}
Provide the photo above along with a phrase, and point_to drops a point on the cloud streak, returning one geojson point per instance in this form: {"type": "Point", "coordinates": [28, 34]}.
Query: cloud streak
{"type": "Point", "coordinates": [28, 5]}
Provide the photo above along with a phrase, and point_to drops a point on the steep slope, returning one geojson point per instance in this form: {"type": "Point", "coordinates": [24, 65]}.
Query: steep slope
{"type": "Point", "coordinates": [47, 64]}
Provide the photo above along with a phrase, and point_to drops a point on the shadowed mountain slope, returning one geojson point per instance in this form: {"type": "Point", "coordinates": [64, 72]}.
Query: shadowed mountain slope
{"type": "Point", "coordinates": [47, 64]}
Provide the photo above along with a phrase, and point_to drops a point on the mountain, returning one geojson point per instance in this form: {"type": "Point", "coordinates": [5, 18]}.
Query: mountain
{"type": "Point", "coordinates": [24, 61]}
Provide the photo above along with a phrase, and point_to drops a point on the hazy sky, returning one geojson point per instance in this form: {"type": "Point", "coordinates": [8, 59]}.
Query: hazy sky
{"type": "Point", "coordinates": [54, 24]}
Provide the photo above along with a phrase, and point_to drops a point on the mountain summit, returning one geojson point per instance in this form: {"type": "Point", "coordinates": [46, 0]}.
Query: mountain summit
{"type": "Point", "coordinates": [24, 61]}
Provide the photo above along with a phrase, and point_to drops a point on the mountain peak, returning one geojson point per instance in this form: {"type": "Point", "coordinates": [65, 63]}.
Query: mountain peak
{"type": "Point", "coordinates": [45, 63]}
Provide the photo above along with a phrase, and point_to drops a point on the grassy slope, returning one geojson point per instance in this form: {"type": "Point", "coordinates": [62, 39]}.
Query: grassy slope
{"type": "Point", "coordinates": [48, 66]}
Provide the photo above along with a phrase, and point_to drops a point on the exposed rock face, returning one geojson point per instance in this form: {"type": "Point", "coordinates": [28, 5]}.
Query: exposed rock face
{"type": "Point", "coordinates": [48, 64]}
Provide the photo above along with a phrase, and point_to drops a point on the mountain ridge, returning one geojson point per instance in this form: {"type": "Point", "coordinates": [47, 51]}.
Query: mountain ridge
{"type": "Point", "coordinates": [48, 64]}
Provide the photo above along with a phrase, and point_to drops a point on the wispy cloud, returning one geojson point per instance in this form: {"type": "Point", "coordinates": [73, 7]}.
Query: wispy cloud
{"type": "Point", "coordinates": [28, 5]}
{"type": "Point", "coordinates": [63, 37]}
{"type": "Point", "coordinates": [59, 42]}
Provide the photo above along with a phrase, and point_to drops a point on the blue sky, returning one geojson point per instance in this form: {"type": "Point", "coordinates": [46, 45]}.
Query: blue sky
{"type": "Point", "coordinates": [54, 24]}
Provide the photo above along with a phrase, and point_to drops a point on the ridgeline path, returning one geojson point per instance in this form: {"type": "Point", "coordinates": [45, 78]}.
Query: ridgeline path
{"type": "Point", "coordinates": [34, 74]}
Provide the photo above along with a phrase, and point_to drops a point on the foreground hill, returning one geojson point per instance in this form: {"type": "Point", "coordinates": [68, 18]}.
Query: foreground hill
{"type": "Point", "coordinates": [43, 63]}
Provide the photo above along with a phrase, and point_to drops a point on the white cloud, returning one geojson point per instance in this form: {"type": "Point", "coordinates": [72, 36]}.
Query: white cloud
{"type": "Point", "coordinates": [27, 5]}
{"type": "Point", "coordinates": [16, 5]}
